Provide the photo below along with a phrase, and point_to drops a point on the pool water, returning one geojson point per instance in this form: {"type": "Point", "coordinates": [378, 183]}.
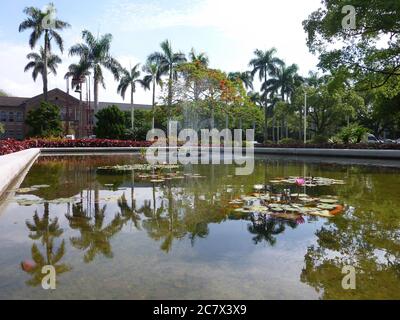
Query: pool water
{"type": "Point", "coordinates": [114, 236]}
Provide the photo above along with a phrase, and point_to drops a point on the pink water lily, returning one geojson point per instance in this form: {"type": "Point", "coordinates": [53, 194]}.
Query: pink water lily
{"type": "Point", "coordinates": [300, 182]}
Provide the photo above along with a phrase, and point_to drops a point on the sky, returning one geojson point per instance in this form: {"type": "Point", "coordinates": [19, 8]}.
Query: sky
{"type": "Point", "coordinates": [227, 30]}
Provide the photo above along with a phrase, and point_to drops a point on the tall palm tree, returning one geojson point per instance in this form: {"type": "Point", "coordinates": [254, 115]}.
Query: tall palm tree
{"type": "Point", "coordinates": [286, 79]}
{"type": "Point", "coordinates": [265, 64]}
{"type": "Point", "coordinates": [285, 82]}
{"type": "Point", "coordinates": [44, 23]}
{"type": "Point", "coordinates": [78, 72]}
{"type": "Point", "coordinates": [246, 78]}
{"type": "Point", "coordinates": [168, 60]}
{"type": "Point", "coordinates": [96, 53]}
{"type": "Point", "coordinates": [152, 79]}
{"type": "Point", "coordinates": [39, 61]}
{"type": "Point", "coordinates": [200, 58]}
{"type": "Point", "coordinates": [130, 79]}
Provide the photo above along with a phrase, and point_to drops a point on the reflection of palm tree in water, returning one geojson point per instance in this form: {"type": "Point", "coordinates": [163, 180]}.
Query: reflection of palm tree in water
{"type": "Point", "coordinates": [94, 237]}
{"type": "Point", "coordinates": [160, 226]}
{"type": "Point", "coordinates": [266, 229]}
{"type": "Point", "coordinates": [45, 230]}
{"type": "Point", "coordinates": [129, 213]}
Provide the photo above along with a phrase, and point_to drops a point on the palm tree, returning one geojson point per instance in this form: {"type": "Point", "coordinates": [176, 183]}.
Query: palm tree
{"type": "Point", "coordinates": [168, 60]}
{"type": "Point", "coordinates": [96, 53]}
{"type": "Point", "coordinates": [43, 22]}
{"type": "Point", "coordinates": [78, 72]}
{"type": "Point", "coordinates": [286, 79]}
{"type": "Point", "coordinates": [39, 61]}
{"type": "Point", "coordinates": [130, 79]}
{"type": "Point", "coordinates": [265, 64]}
{"type": "Point", "coordinates": [152, 78]}
{"type": "Point", "coordinates": [285, 82]}
{"type": "Point", "coordinates": [245, 77]}
{"type": "Point", "coordinates": [200, 58]}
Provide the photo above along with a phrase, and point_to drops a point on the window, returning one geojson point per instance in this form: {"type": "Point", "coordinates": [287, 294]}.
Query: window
{"type": "Point", "coordinates": [11, 116]}
{"type": "Point", "coordinates": [3, 116]}
{"type": "Point", "coordinates": [20, 117]}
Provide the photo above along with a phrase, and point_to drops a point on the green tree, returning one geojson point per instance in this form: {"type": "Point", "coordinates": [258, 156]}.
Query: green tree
{"type": "Point", "coordinates": [141, 125]}
{"type": "Point", "coordinates": [245, 77]}
{"type": "Point", "coordinates": [45, 121]}
{"type": "Point", "coordinates": [2, 129]}
{"type": "Point", "coordinates": [96, 53]}
{"type": "Point", "coordinates": [78, 72]}
{"type": "Point", "coordinates": [38, 63]}
{"type": "Point", "coordinates": [372, 62]}
{"type": "Point", "coordinates": [201, 57]}
{"type": "Point", "coordinates": [265, 64]}
{"type": "Point", "coordinates": [44, 23]}
{"type": "Point", "coordinates": [168, 61]}
{"type": "Point", "coordinates": [3, 93]}
{"type": "Point", "coordinates": [152, 79]}
{"type": "Point", "coordinates": [130, 79]}
{"type": "Point", "coordinates": [110, 123]}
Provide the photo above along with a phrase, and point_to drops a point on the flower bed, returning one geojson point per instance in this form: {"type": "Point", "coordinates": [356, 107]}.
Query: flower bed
{"type": "Point", "coordinates": [10, 146]}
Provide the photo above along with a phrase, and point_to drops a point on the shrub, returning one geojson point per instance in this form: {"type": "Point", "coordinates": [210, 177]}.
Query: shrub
{"type": "Point", "coordinates": [352, 134]}
{"type": "Point", "coordinates": [287, 141]}
{"type": "Point", "coordinates": [110, 123]}
{"type": "Point", "coordinates": [44, 121]}
{"type": "Point", "coordinates": [319, 140]}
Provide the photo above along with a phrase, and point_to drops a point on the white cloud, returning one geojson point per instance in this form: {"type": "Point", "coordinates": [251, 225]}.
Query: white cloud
{"type": "Point", "coordinates": [249, 24]}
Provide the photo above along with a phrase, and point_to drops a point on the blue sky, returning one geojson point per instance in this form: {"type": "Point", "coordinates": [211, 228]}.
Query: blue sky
{"type": "Point", "coordinates": [227, 30]}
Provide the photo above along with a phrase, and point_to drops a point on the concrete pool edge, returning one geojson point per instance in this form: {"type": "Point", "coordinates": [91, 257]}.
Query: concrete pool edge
{"type": "Point", "coordinates": [339, 153]}
{"type": "Point", "coordinates": [12, 165]}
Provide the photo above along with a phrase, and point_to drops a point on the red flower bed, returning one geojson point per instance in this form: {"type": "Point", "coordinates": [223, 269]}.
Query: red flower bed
{"type": "Point", "coordinates": [10, 146]}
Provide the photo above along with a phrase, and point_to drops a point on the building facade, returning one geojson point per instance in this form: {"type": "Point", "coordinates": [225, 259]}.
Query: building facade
{"type": "Point", "coordinates": [76, 115]}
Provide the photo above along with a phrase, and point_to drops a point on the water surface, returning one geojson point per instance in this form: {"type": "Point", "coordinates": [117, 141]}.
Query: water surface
{"type": "Point", "coordinates": [112, 236]}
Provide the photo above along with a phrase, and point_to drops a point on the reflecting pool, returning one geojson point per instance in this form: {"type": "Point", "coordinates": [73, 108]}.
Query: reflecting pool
{"type": "Point", "coordinates": [118, 235]}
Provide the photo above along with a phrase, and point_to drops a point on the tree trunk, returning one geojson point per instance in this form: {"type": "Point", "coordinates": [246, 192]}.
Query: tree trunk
{"type": "Point", "coordinates": [169, 97]}
{"type": "Point", "coordinates": [45, 71]}
{"type": "Point", "coordinates": [132, 111]}
{"type": "Point", "coordinates": [154, 102]}
{"type": "Point", "coordinates": [95, 98]}
{"type": "Point", "coordinates": [266, 110]}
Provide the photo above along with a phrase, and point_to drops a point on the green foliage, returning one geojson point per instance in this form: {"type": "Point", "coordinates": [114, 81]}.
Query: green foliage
{"type": "Point", "coordinates": [352, 134]}
{"type": "Point", "coordinates": [3, 93]}
{"type": "Point", "coordinates": [363, 55]}
{"type": "Point", "coordinates": [142, 125]}
{"type": "Point", "coordinates": [111, 123]}
{"type": "Point", "coordinates": [288, 141]}
{"type": "Point", "coordinates": [45, 121]}
{"type": "Point", "coordinates": [319, 140]}
{"type": "Point", "coordinates": [2, 129]}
